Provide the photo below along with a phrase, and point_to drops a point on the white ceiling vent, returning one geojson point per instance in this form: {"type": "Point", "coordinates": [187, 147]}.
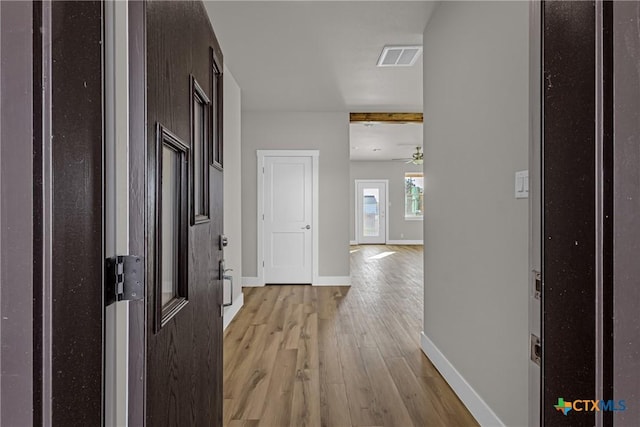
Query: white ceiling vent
{"type": "Point", "coordinates": [399, 56]}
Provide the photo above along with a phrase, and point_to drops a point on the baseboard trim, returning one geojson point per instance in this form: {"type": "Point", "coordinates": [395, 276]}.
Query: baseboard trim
{"type": "Point", "coordinates": [231, 311]}
{"type": "Point", "coordinates": [353, 243]}
{"type": "Point", "coordinates": [469, 397]}
{"type": "Point", "coordinates": [405, 242]}
{"type": "Point", "coordinates": [333, 281]}
{"type": "Point", "coordinates": [251, 282]}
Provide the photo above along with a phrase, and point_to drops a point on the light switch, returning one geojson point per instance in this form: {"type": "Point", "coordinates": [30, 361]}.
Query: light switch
{"type": "Point", "coordinates": [522, 184]}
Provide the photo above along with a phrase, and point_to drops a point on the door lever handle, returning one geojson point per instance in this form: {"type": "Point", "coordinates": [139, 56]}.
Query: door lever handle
{"type": "Point", "coordinates": [230, 279]}
{"type": "Point", "coordinates": [308, 227]}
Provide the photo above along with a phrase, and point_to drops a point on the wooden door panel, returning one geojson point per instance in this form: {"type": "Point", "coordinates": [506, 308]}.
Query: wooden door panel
{"type": "Point", "coordinates": [569, 221]}
{"type": "Point", "coordinates": [184, 381]}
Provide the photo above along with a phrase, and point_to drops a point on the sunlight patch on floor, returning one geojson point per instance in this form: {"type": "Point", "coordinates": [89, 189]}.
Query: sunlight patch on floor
{"type": "Point", "coordinates": [382, 255]}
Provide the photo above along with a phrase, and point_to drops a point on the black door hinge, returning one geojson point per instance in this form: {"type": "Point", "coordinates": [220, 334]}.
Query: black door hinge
{"type": "Point", "coordinates": [124, 279]}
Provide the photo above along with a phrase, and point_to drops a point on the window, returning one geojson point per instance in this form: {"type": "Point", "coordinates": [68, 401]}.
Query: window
{"type": "Point", "coordinates": [414, 195]}
{"type": "Point", "coordinates": [172, 161]}
{"type": "Point", "coordinates": [216, 110]}
{"type": "Point", "coordinates": [200, 145]}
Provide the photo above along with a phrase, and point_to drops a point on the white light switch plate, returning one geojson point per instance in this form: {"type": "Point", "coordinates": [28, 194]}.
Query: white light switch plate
{"type": "Point", "coordinates": [522, 184]}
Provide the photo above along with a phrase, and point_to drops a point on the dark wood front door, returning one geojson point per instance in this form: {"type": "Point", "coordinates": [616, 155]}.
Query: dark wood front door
{"type": "Point", "coordinates": [184, 217]}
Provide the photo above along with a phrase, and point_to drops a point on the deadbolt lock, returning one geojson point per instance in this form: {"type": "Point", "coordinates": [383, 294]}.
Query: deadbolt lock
{"type": "Point", "coordinates": [223, 241]}
{"type": "Point", "coordinates": [537, 284]}
{"type": "Point", "coordinates": [536, 350]}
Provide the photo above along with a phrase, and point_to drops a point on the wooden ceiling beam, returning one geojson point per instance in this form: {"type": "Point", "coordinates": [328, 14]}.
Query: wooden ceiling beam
{"type": "Point", "coordinates": [386, 117]}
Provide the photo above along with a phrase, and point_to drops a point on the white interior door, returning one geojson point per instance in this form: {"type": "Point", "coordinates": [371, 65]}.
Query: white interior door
{"type": "Point", "coordinates": [288, 206]}
{"type": "Point", "coordinates": [371, 212]}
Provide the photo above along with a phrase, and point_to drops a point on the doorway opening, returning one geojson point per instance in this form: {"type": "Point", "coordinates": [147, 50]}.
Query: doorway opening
{"type": "Point", "coordinates": [371, 211]}
{"type": "Point", "coordinates": [287, 216]}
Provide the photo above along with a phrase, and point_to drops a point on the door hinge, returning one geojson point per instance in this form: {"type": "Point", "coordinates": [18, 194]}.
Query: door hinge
{"type": "Point", "coordinates": [263, 263]}
{"type": "Point", "coordinates": [124, 279]}
{"type": "Point", "coordinates": [536, 350]}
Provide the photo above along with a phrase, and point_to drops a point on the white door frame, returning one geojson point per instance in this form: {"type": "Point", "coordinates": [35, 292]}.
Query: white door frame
{"type": "Point", "coordinates": [386, 207]}
{"type": "Point", "coordinates": [314, 154]}
{"type": "Point", "coordinates": [116, 117]}
{"type": "Point", "coordinates": [535, 201]}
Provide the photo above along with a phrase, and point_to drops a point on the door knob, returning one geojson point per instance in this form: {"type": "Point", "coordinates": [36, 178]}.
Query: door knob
{"type": "Point", "coordinates": [306, 228]}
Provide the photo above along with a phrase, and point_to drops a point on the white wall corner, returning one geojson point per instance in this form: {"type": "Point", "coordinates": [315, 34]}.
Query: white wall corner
{"type": "Point", "coordinates": [469, 397]}
{"type": "Point", "coordinates": [405, 242]}
{"type": "Point", "coordinates": [251, 282]}
{"type": "Point", "coordinates": [231, 311]}
{"type": "Point", "coordinates": [332, 281]}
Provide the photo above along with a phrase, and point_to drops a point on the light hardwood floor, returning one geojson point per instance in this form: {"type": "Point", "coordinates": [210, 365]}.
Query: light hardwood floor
{"type": "Point", "coordinates": [338, 356]}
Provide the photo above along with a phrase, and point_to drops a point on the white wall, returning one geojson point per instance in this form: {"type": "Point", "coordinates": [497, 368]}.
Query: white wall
{"type": "Point", "coordinates": [476, 234]}
{"type": "Point", "coordinates": [232, 191]}
{"type": "Point", "coordinates": [399, 227]}
{"type": "Point", "coordinates": [327, 132]}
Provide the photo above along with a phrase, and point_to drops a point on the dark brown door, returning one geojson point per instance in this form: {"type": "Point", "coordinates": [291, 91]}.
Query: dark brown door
{"type": "Point", "coordinates": [184, 217]}
{"type": "Point", "coordinates": [68, 212]}
{"type": "Point", "coordinates": [577, 196]}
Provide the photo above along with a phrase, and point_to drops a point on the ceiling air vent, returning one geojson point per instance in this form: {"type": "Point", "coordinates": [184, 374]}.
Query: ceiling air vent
{"type": "Point", "coordinates": [399, 56]}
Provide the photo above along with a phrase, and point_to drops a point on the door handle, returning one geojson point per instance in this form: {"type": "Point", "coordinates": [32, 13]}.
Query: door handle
{"type": "Point", "coordinates": [230, 279]}
{"type": "Point", "coordinates": [308, 227]}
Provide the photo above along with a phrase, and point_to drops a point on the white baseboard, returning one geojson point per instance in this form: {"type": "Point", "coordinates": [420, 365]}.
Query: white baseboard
{"type": "Point", "coordinates": [353, 243]}
{"type": "Point", "coordinates": [405, 242]}
{"type": "Point", "coordinates": [332, 281]}
{"type": "Point", "coordinates": [469, 397]}
{"type": "Point", "coordinates": [231, 311]}
{"type": "Point", "coordinates": [251, 282]}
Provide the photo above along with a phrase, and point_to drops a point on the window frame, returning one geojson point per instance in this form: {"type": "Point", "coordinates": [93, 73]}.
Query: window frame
{"type": "Point", "coordinates": [199, 97]}
{"type": "Point", "coordinates": [409, 175]}
{"type": "Point", "coordinates": [164, 313]}
{"type": "Point", "coordinates": [217, 147]}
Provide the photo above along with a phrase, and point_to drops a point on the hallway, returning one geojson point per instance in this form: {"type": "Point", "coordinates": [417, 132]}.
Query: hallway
{"type": "Point", "coordinates": [338, 356]}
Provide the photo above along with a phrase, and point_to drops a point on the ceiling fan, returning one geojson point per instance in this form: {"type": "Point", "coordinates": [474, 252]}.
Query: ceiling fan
{"type": "Point", "coordinates": [416, 157]}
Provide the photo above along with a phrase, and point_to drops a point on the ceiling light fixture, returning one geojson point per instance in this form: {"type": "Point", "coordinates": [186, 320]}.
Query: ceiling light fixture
{"type": "Point", "coordinates": [416, 158]}
{"type": "Point", "coordinates": [399, 56]}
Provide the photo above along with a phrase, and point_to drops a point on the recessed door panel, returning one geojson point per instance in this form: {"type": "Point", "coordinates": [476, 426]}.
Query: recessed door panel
{"type": "Point", "coordinates": [281, 255]}
{"type": "Point", "coordinates": [288, 201]}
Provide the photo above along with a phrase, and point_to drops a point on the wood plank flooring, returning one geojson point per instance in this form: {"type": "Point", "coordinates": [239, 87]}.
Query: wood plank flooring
{"type": "Point", "coordinates": [338, 356]}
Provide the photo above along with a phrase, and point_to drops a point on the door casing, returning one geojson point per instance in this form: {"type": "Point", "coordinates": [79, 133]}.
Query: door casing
{"type": "Point", "coordinates": [116, 128]}
{"type": "Point", "coordinates": [262, 154]}
{"type": "Point", "coordinates": [535, 202]}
